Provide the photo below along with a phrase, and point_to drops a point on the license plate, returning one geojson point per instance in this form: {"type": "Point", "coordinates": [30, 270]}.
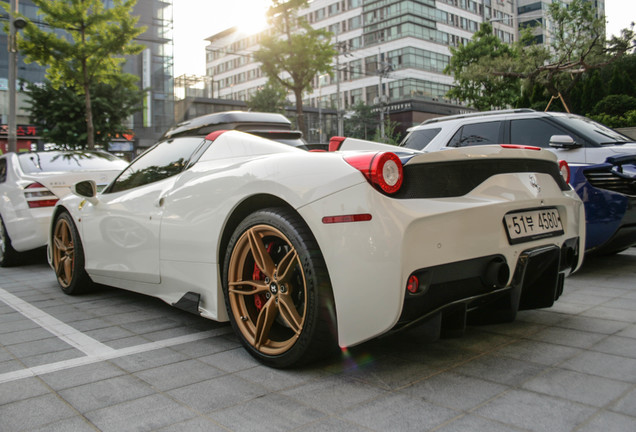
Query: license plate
{"type": "Point", "coordinates": [533, 224]}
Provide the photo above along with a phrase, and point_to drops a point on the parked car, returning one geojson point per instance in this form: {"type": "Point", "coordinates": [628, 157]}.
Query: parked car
{"type": "Point", "coordinates": [30, 185]}
{"type": "Point", "coordinates": [304, 251]}
{"type": "Point", "coordinates": [602, 162]}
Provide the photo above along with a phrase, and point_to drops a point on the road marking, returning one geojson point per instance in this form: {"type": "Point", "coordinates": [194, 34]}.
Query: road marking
{"type": "Point", "coordinates": [137, 349]}
{"type": "Point", "coordinates": [68, 334]}
{"type": "Point", "coordinates": [95, 351]}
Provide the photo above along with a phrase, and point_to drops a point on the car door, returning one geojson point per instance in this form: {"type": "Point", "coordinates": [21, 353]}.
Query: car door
{"type": "Point", "coordinates": [538, 131]}
{"type": "Point", "coordinates": [121, 232]}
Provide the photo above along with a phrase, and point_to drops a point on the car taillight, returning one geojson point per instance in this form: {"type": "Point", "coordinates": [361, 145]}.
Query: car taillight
{"type": "Point", "coordinates": [39, 196]}
{"type": "Point", "coordinates": [383, 170]}
{"type": "Point", "coordinates": [564, 168]}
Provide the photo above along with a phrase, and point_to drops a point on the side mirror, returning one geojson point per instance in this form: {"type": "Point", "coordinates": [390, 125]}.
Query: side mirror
{"type": "Point", "coordinates": [563, 142]}
{"type": "Point", "coordinates": [86, 189]}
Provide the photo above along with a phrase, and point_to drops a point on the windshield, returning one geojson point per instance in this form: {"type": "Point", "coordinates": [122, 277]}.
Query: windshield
{"type": "Point", "coordinates": [597, 133]}
{"type": "Point", "coordinates": [56, 161]}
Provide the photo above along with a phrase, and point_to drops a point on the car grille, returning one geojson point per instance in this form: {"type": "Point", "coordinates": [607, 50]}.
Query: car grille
{"type": "Point", "coordinates": [609, 180]}
{"type": "Point", "coordinates": [457, 178]}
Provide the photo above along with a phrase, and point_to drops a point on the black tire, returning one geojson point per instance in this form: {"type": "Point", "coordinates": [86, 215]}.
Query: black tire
{"type": "Point", "coordinates": [283, 319]}
{"type": "Point", "coordinates": [67, 256]}
{"type": "Point", "coordinates": [8, 256]}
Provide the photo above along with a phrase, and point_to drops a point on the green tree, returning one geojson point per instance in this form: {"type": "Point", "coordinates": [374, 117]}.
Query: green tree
{"type": "Point", "coordinates": [294, 53]}
{"type": "Point", "coordinates": [87, 47]}
{"type": "Point", "coordinates": [60, 112]}
{"type": "Point", "coordinates": [579, 46]}
{"type": "Point", "coordinates": [473, 84]}
{"type": "Point", "coordinates": [271, 98]}
{"type": "Point", "coordinates": [361, 122]}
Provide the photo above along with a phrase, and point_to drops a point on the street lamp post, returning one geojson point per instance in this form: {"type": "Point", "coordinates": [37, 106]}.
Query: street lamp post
{"type": "Point", "coordinates": [14, 25]}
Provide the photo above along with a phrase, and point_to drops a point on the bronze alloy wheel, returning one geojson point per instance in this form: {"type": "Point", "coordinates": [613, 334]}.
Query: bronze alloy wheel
{"type": "Point", "coordinates": [267, 290]}
{"type": "Point", "coordinates": [67, 256]}
{"type": "Point", "coordinates": [63, 252]}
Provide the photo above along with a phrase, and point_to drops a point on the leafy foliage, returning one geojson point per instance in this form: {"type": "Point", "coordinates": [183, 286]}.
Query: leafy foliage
{"type": "Point", "coordinates": [362, 123]}
{"type": "Point", "coordinates": [86, 47]}
{"type": "Point", "coordinates": [579, 46]}
{"type": "Point", "coordinates": [271, 98]}
{"type": "Point", "coordinates": [293, 53]}
{"type": "Point", "coordinates": [60, 112]}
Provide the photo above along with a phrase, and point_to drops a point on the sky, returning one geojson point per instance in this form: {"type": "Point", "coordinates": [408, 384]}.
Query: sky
{"type": "Point", "coordinates": [196, 20]}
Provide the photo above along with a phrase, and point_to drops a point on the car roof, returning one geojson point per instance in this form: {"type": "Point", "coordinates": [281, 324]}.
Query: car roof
{"type": "Point", "coordinates": [238, 120]}
{"type": "Point", "coordinates": [480, 114]}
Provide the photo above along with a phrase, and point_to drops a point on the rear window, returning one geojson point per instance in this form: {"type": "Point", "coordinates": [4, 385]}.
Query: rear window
{"type": "Point", "coordinates": [476, 134]}
{"type": "Point", "coordinates": [53, 161]}
{"type": "Point", "coordinates": [418, 139]}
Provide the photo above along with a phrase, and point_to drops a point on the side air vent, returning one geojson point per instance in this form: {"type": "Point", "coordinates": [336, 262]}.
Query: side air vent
{"type": "Point", "coordinates": [611, 181]}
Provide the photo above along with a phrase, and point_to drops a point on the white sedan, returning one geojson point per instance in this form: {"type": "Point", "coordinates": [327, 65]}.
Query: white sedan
{"type": "Point", "coordinates": [30, 185]}
{"type": "Point", "coordinates": [304, 251]}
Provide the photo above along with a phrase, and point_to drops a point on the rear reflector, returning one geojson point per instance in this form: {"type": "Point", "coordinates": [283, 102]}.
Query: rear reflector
{"type": "Point", "coordinates": [362, 217]}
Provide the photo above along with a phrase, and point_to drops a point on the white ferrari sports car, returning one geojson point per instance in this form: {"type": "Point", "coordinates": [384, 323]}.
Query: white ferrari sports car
{"type": "Point", "coordinates": [304, 251]}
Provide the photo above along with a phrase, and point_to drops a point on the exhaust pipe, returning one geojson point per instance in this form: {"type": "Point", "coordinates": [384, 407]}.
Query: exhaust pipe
{"type": "Point", "coordinates": [497, 273]}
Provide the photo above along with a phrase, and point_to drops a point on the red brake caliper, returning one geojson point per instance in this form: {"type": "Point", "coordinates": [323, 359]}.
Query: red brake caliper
{"type": "Point", "coordinates": [257, 275]}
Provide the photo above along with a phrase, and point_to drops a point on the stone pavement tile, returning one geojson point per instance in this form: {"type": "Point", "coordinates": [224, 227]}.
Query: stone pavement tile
{"type": "Point", "coordinates": [91, 324]}
{"type": "Point", "coordinates": [617, 345]}
{"type": "Point", "coordinates": [81, 375]}
{"type": "Point", "coordinates": [480, 339]}
{"type": "Point", "coordinates": [198, 424]}
{"type": "Point", "coordinates": [31, 413]}
{"type": "Point", "coordinates": [439, 355]}
{"type": "Point", "coordinates": [73, 424]}
{"type": "Point", "coordinates": [272, 412]}
{"type": "Point", "coordinates": [538, 352]}
{"type": "Point", "coordinates": [148, 360]}
{"type": "Point", "coordinates": [398, 412]}
{"type": "Point", "coordinates": [177, 375]}
{"type": "Point", "coordinates": [388, 372]}
{"type": "Point", "coordinates": [604, 365]}
{"type": "Point", "coordinates": [26, 388]}
{"type": "Point", "coordinates": [209, 346]}
{"type": "Point", "coordinates": [11, 317]}
{"type": "Point", "coordinates": [567, 337]}
{"type": "Point", "coordinates": [629, 332]}
{"type": "Point", "coordinates": [276, 379]}
{"type": "Point", "coordinates": [594, 325]}
{"type": "Point", "coordinates": [578, 387]}
{"type": "Point", "coordinates": [609, 422]}
{"type": "Point", "coordinates": [626, 404]}
{"type": "Point", "coordinates": [333, 424]}
{"type": "Point", "coordinates": [535, 412]}
{"type": "Point", "coordinates": [101, 394]}
{"type": "Point", "coordinates": [334, 394]}
{"type": "Point", "coordinates": [233, 360]}
{"type": "Point", "coordinates": [108, 334]}
{"type": "Point", "coordinates": [217, 393]}
{"type": "Point", "coordinates": [622, 303]}
{"type": "Point", "coordinates": [10, 366]}
{"type": "Point", "coordinates": [454, 391]}
{"type": "Point", "coordinates": [500, 369]}
{"type": "Point", "coordinates": [514, 329]}
{"type": "Point", "coordinates": [28, 348]}
{"type": "Point", "coordinates": [540, 316]}
{"type": "Point", "coordinates": [616, 314]}
{"type": "Point", "coordinates": [24, 336]}
{"type": "Point", "coordinates": [131, 317]}
{"type": "Point", "coordinates": [127, 342]}
{"type": "Point", "coordinates": [52, 357]}
{"type": "Point", "coordinates": [15, 325]}
{"type": "Point", "coordinates": [146, 414]}
{"type": "Point", "coordinates": [150, 325]}
{"type": "Point", "coordinates": [5, 355]}
{"type": "Point", "coordinates": [472, 423]}
{"type": "Point", "coordinates": [568, 308]}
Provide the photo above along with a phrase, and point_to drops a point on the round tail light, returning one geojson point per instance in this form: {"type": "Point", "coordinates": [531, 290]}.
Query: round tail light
{"type": "Point", "coordinates": [564, 168]}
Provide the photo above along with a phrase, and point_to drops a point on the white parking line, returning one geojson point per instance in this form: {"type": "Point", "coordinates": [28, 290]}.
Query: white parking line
{"type": "Point", "coordinates": [68, 334]}
{"type": "Point", "coordinates": [82, 361]}
{"type": "Point", "coordinates": [95, 351]}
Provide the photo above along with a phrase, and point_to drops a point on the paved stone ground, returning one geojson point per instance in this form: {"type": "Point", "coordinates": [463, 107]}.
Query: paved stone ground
{"type": "Point", "coordinates": [117, 361]}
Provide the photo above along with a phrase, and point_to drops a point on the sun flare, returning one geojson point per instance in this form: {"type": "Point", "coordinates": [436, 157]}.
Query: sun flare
{"type": "Point", "coordinates": [252, 21]}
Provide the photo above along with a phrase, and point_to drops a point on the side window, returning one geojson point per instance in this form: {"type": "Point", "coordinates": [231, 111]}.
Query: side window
{"type": "Point", "coordinates": [533, 132]}
{"type": "Point", "coordinates": [476, 134]}
{"type": "Point", "coordinates": [161, 161]}
{"type": "Point", "coordinates": [3, 170]}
